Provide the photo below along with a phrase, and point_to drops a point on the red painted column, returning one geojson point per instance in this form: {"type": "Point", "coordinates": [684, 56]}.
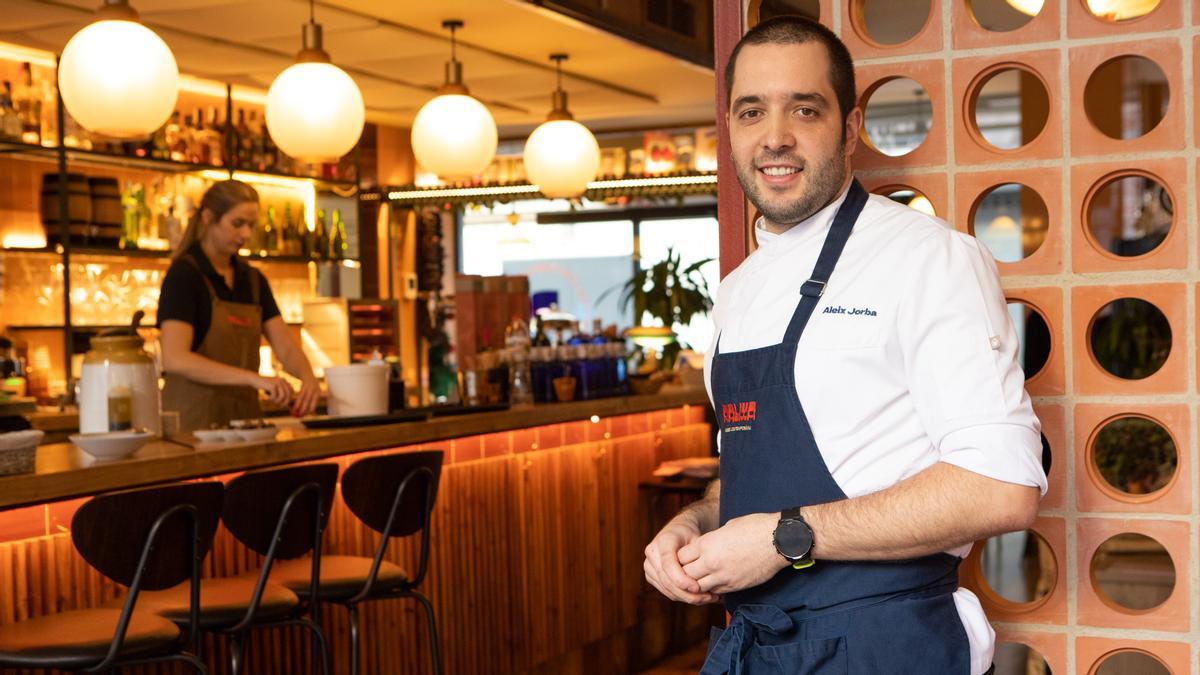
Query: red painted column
{"type": "Point", "coordinates": [731, 203]}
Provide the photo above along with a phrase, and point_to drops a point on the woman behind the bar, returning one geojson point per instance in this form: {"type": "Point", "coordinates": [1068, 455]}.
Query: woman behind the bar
{"type": "Point", "coordinates": [212, 312]}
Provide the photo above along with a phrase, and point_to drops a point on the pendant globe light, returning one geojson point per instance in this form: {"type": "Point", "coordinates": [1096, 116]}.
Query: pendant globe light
{"type": "Point", "coordinates": [454, 135]}
{"type": "Point", "coordinates": [561, 156]}
{"type": "Point", "coordinates": [117, 77]}
{"type": "Point", "coordinates": [314, 109]}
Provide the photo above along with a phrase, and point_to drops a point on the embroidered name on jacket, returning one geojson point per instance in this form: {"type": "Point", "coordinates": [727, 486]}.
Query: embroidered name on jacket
{"type": "Point", "coordinates": [737, 416]}
{"type": "Point", "coordinates": [852, 311]}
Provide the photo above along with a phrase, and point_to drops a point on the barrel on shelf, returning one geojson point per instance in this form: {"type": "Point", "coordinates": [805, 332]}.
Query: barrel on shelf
{"type": "Point", "coordinates": [79, 207]}
{"type": "Point", "coordinates": [107, 213]}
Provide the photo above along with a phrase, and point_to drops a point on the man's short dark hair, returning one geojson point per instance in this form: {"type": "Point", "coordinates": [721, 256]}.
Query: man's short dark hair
{"type": "Point", "coordinates": [794, 30]}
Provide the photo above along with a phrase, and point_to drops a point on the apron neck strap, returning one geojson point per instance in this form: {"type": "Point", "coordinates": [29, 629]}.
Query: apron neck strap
{"type": "Point", "coordinates": [212, 292]}
{"type": "Point", "coordinates": [835, 241]}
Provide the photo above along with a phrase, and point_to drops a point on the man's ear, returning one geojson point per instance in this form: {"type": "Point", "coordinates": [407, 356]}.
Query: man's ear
{"type": "Point", "coordinates": [854, 124]}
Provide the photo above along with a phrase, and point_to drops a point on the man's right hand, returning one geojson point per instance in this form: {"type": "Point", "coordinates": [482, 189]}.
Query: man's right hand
{"type": "Point", "coordinates": [662, 567]}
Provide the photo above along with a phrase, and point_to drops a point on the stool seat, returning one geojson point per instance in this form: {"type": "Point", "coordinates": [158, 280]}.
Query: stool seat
{"type": "Point", "coordinates": [342, 576]}
{"type": "Point", "coordinates": [223, 601]}
{"type": "Point", "coordinates": [81, 638]}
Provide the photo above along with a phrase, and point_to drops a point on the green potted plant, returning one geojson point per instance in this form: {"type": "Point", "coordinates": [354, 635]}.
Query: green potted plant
{"type": "Point", "coordinates": [668, 292]}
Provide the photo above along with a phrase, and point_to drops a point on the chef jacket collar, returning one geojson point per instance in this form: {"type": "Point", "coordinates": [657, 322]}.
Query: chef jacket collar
{"type": "Point", "coordinates": [773, 244]}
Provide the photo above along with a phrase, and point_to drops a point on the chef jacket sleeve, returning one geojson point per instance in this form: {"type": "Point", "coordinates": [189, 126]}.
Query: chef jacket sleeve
{"type": "Point", "coordinates": [960, 352]}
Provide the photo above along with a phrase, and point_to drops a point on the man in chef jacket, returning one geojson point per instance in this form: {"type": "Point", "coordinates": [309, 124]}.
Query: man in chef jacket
{"type": "Point", "coordinates": [872, 411]}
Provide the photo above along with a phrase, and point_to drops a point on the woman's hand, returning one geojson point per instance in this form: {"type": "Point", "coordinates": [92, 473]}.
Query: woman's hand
{"type": "Point", "coordinates": [278, 391]}
{"type": "Point", "coordinates": [306, 401]}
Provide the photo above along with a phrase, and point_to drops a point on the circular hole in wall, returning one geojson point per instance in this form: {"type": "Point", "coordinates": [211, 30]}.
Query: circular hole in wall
{"type": "Point", "coordinates": [1001, 16]}
{"type": "Point", "coordinates": [1018, 567]}
{"type": "Point", "coordinates": [1129, 215]}
{"type": "Point", "coordinates": [1134, 455]}
{"type": "Point", "coordinates": [1133, 571]}
{"type": "Point", "coordinates": [1033, 334]}
{"type": "Point", "coordinates": [1015, 658]}
{"type": "Point", "coordinates": [1130, 338]}
{"type": "Point", "coordinates": [1126, 97]}
{"type": "Point", "coordinates": [1011, 220]}
{"type": "Point", "coordinates": [1131, 663]}
{"type": "Point", "coordinates": [769, 9]}
{"type": "Point", "coordinates": [898, 115]}
{"type": "Point", "coordinates": [911, 198]}
{"type": "Point", "coordinates": [1118, 11]}
{"type": "Point", "coordinates": [1010, 108]}
{"type": "Point", "coordinates": [888, 22]}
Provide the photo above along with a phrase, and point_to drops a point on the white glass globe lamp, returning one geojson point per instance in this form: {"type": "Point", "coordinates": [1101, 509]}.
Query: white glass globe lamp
{"type": "Point", "coordinates": [561, 156]}
{"type": "Point", "coordinates": [116, 76]}
{"type": "Point", "coordinates": [454, 135]}
{"type": "Point", "coordinates": [315, 111]}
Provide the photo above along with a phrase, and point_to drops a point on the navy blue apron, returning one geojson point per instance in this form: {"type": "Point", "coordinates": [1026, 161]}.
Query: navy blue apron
{"type": "Point", "coordinates": [834, 617]}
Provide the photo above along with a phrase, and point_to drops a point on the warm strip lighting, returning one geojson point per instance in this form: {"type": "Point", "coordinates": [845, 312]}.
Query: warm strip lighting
{"type": "Point", "coordinates": [37, 57]}
{"type": "Point", "coordinates": [198, 85]}
{"type": "Point", "coordinates": [507, 190]}
{"type": "Point", "coordinates": [661, 181]}
{"type": "Point", "coordinates": [24, 241]}
{"type": "Point", "coordinates": [401, 195]}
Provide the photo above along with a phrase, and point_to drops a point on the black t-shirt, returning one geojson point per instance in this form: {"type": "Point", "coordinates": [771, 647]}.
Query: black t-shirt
{"type": "Point", "coordinates": [184, 296]}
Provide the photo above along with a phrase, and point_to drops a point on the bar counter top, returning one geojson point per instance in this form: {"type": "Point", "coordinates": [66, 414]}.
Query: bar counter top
{"type": "Point", "coordinates": [64, 471]}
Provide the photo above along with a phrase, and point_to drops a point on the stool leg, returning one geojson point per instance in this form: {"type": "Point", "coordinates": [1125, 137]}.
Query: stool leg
{"type": "Point", "coordinates": [236, 653]}
{"type": "Point", "coordinates": [433, 640]}
{"type": "Point", "coordinates": [353, 638]}
{"type": "Point", "coordinates": [319, 646]}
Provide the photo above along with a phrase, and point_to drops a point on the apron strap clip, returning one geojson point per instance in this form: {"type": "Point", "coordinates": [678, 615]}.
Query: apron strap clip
{"type": "Point", "coordinates": [813, 288]}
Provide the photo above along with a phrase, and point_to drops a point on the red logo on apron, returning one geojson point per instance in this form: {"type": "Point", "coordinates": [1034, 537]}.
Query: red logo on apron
{"type": "Point", "coordinates": [737, 413]}
{"type": "Point", "coordinates": [239, 321]}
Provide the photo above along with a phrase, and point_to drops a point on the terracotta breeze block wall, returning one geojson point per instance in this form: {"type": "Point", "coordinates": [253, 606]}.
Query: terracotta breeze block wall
{"type": "Point", "coordinates": [1067, 280]}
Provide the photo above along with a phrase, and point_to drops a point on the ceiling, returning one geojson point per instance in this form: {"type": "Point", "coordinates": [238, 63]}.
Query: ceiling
{"type": "Point", "coordinates": [396, 51]}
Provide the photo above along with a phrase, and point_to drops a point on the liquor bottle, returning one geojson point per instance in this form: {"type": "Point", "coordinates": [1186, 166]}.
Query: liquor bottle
{"type": "Point", "coordinates": [49, 122]}
{"type": "Point", "coordinates": [215, 138]}
{"type": "Point", "coordinates": [257, 159]}
{"type": "Point", "coordinates": [175, 138]}
{"type": "Point", "coordinates": [10, 121]}
{"type": "Point", "coordinates": [337, 242]}
{"type": "Point", "coordinates": [242, 144]}
{"type": "Point", "coordinates": [320, 249]}
{"type": "Point", "coordinates": [270, 233]}
{"type": "Point", "coordinates": [129, 230]}
{"type": "Point", "coordinates": [305, 235]}
{"type": "Point", "coordinates": [198, 149]}
{"type": "Point", "coordinates": [29, 106]}
{"type": "Point", "coordinates": [270, 160]}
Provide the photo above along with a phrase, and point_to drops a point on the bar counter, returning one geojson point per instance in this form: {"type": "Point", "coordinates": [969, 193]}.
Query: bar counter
{"type": "Point", "coordinates": [537, 536]}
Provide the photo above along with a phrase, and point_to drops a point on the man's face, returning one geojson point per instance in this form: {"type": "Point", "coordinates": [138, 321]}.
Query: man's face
{"type": "Point", "coordinates": [790, 147]}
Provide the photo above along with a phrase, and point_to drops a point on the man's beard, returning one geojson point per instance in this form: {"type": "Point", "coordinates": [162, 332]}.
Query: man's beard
{"type": "Point", "coordinates": [822, 185]}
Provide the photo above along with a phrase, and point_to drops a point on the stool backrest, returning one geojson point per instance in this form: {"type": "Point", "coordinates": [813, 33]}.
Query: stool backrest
{"type": "Point", "coordinates": [111, 530]}
{"type": "Point", "coordinates": [369, 488]}
{"type": "Point", "coordinates": [255, 500]}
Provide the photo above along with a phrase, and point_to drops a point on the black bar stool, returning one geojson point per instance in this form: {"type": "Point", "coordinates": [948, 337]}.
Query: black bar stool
{"type": "Point", "coordinates": [394, 495]}
{"type": "Point", "coordinates": [279, 514]}
{"type": "Point", "coordinates": [146, 540]}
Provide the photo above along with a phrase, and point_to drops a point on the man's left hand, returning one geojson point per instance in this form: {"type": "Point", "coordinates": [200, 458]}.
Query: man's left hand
{"type": "Point", "coordinates": [739, 555]}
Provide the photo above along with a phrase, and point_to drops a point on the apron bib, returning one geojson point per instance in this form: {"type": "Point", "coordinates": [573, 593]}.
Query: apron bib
{"type": "Point", "coordinates": [836, 616]}
{"type": "Point", "coordinates": [233, 338]}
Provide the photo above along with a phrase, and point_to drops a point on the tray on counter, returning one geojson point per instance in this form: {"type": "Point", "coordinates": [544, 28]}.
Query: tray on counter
{"type": "Point", "coordinates": [365, 420]}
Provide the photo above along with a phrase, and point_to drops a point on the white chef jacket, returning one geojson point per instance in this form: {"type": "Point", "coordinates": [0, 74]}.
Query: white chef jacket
{"type": "Point", "coordinates": [910, 357]}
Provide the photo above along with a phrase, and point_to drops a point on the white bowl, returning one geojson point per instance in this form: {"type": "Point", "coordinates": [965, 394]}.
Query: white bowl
{"type": "Point", "coordinates": [113, 444]}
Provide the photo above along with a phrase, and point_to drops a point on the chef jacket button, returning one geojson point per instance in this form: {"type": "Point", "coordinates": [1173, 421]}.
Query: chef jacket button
{"type": "Point", "coordinates": [994, 341]}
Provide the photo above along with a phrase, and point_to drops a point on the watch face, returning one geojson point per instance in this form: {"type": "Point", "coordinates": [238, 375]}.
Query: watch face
{"type": "Point", "coordinates": [793, 539]}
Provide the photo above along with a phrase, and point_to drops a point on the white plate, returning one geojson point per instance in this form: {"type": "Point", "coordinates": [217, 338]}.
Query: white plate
{"type": "Point", "coordinates": [257, 435]}
{"type": "Point", "coordinates": [215, 435]}
{"type": "Point", "coordinates": [111, 445]}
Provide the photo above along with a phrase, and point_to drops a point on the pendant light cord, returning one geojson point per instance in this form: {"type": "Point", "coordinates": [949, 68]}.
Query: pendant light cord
{"type": "Point", "coordinates": [312, 12]}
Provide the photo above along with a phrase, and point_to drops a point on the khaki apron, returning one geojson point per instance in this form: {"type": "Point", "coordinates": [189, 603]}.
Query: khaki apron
{"type": "Point", "coordinates": [233, 339]}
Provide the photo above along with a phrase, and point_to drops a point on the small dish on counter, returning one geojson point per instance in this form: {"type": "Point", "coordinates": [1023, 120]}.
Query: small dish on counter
{"type": "Point", "coordinates": [113, 444]}
{"type": "Point", "coordinates": [244, 433]}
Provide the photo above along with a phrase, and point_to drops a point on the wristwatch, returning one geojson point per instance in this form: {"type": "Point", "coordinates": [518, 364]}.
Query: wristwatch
{"type": "Point", "coordinates": [794, 539]}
